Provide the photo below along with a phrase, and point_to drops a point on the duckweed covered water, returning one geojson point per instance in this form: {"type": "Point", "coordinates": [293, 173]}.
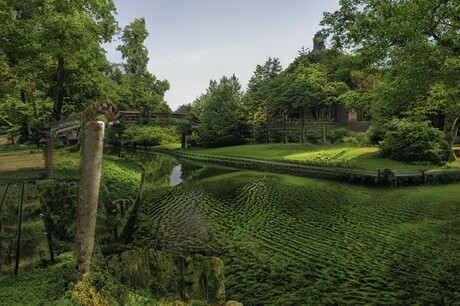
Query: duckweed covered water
{"type": "Point", "coordinates": [297, 241]}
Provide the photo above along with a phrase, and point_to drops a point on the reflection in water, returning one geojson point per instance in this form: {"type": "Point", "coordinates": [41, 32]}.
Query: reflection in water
{"type": "Point", "coordinates": [175, 178]}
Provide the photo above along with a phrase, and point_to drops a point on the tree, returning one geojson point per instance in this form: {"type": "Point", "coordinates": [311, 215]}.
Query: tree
{"type": "Point", "coordinates": [71, 36]}
{"type": "Point", "coordinates": [223, 116]}
{"type": "Point", "coordinates": [415, 141]}
{"type": "Point", "coordinates": [52, 59]}
{"type": "Point", "coordinates": [140, 89]}
{"type": "Point", "coordinates": [257, 95]}
{"type": "Point", "coordinates": [416, 43]}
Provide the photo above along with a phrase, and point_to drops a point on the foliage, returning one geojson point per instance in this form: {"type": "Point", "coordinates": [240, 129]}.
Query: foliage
{"type": "Point", "coordinates": [59, 202]}
{"type": "Point", "coordinates": [414, 43]}
{"type": "Point", "coordinates": [414, 141]}
{"type": "Point", "coordinates": [357, 139]}
{"type": "Point", "coordinates": [223, 116]}
{"type": "Point", "coordinates": [135, 135]}
{"type": "Point", "coordinates": [51, 60]}
{"type": "Point", "coordinates": [257, 96]}
{"type": "Point", "coordinates": [139, 89]}
{"type": "Point", "coordinates": [366, 157]}
{"type": "Point", "coordinates": [39, 286]}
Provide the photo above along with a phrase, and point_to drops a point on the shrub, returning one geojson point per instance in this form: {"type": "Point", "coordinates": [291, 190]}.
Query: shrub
{"type": "Point", "coordinates": [146, 135]}
{"type": "Point", "coordinates": [314, 135]}
{"type": "Point", "coordinates": [377, 131]}
{"type": "Point", "coordinates": [415, 141]}
{"type": "Point", "coordinates": [337, 134]}
{"type": "Point", "coordinates": [59, 202]}
{"type": "Point", "coordinates": [357, 139]}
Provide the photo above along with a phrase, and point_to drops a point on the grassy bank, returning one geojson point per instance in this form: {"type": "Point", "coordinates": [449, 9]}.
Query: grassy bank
{"type": "Point", "coordinates": [295, 241]}
{"type": "Point", "coordinates": [327, 155]}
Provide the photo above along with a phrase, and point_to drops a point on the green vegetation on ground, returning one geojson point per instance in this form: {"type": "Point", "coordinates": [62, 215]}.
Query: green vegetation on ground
{"type": "Point", "coordinates": [296, 241]}
{"type": "Point", "coordinates": [327, 155]}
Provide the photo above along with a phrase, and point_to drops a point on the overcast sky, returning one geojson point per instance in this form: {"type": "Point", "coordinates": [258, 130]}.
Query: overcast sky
{"type": "Point", "coordinates": [194, 41]}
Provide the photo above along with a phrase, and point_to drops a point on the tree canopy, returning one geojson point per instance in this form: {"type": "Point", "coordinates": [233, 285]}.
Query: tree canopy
{"type": "Point", "coordinates": [222, 114]}
{"type": "Point", "coordinates": [415, 43]}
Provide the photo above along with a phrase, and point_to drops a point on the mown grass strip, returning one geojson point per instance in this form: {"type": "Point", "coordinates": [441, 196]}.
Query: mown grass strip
{"type": "Point", "coordinates": [384, 177]}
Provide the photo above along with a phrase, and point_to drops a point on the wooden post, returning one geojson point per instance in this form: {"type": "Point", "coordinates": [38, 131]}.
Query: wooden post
{"type": "Point", "coordinates": [49, 152]}
{"type": "Point", "coordinates": [91, 162]}
{"type": "Point", "coordinates": [18, 247]}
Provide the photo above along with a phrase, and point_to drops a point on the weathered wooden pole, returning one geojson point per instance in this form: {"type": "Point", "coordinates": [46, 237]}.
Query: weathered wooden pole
{"type": "Point", "coordinates": [91, 162]}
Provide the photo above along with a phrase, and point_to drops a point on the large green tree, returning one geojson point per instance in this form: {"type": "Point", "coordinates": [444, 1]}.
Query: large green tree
{"type": "Point", "coordinates": [140, 89]}
{"type": "Point", "coordinates": [222, 114]}
{"type": "Point", "coordinates": [417, 45]}
{"type": "Point", "coordinates": [51, 58]}
{"type": "Point", "coordinates": [256, 98]}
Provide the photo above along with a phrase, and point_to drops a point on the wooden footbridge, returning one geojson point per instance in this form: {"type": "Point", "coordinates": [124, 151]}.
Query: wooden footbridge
{"type": "Point", "coordinates": [68, 129]}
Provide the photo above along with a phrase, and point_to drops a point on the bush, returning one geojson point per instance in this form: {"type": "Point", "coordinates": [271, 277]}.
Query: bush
{"type": "Point", "coordinates": [337, 134]}
{"type": "Point", "coordinates": [314, 135]}
{"type": "Point", "coordinates": [146, 135]}
{"type": "Point", "coordinates": [357, 139]}
{"type": "Point", "coordinates": [377, 131]}
{"type": "Point", "coordinates": [415, 141]}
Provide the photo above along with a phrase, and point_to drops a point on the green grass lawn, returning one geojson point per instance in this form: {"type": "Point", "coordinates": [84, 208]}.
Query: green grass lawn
{"type": "Point", "coordinates": [328, 155]}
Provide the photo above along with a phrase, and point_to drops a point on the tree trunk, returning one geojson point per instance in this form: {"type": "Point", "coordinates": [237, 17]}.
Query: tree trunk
{"type": "Point", "coordinates": [448, 125]}
{"type": "Point", "coordinates": [59, 95]}
{"type": "Point", "coordinates": [303, 124]}
{"type": "Point", "coordinates": [252, 130]}
{"type": "Point", "coordinates": [24, 122]}
{"type": "Point", "coordinates": [284, 127]}
{"type": "Point", "coordinates": [91, 162]}
{"type": "Point", "coordinates": [268, 129]}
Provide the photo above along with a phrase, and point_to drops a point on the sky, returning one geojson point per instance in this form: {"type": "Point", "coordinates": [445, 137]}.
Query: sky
{"type": "Point", "coordinates": [194, 41]}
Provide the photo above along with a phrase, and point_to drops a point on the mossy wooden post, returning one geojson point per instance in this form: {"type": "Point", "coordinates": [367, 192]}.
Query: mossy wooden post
{"type": "Point", "coordinates": [91, 162]}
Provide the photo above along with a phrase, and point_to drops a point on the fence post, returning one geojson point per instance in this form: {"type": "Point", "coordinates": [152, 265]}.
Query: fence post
{"type": "Point", "coordinates": [18, 247]}
{"type": "Point", "coordinates": [91, 162]}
